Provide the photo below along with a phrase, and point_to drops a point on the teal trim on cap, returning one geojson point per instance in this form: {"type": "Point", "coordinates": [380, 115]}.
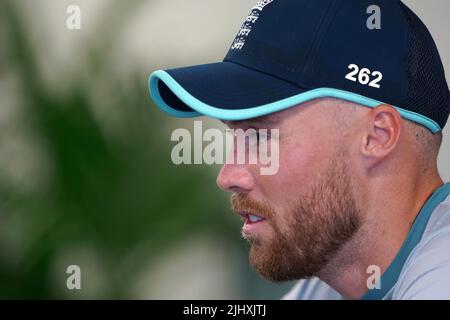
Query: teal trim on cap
{"type": "Point", "coordinates": [201, 108]}
{"type": "Point", "coordinates": [390, 276]}
{"type": "Point", "coordinates": [154, 93]}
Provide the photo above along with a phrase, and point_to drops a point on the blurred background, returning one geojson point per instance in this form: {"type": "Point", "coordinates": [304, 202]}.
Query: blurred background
{"type": "Point", "coordinates": [85, 172]}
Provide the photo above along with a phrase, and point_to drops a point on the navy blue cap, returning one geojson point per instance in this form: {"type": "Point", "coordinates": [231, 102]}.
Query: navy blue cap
{"type": "Point", "coordinates": [289, 52]}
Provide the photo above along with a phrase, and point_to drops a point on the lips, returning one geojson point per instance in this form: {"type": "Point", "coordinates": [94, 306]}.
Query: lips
{"type": "Point", "coordinates": [250, 218]}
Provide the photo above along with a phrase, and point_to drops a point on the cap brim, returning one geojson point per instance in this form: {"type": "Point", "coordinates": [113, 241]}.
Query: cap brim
{"type": "Point", "coordinates": [223, 90]}
{"type": "Point", "coordinates": [228, 91]}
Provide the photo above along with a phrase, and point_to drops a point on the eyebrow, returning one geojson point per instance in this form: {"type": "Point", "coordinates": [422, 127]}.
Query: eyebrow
{"type": "Point", "coordinates": [268, 121]}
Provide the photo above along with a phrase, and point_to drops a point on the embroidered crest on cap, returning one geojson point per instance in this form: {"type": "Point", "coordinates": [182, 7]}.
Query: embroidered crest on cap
{"type": "Point", "coordinates": [248, 24]}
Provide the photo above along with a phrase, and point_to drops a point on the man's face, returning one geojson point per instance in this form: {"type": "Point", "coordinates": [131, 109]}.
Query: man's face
{"type": "Point", "coordinates": [308, 206]}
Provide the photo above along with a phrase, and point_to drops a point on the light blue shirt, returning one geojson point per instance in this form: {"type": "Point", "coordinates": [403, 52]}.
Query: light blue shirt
{"type": "Point", "coordinates": [421, 269]}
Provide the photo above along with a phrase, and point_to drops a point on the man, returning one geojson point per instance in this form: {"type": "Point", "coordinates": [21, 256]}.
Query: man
{"type": "Point", "coordinates": [358, 92]}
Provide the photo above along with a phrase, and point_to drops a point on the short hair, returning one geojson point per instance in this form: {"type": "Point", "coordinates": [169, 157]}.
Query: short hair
{"type": "Point", "coordinates": [426, 143]}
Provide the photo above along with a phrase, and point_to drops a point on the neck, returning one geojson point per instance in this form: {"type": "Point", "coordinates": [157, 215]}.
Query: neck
{"type": "Point", "coordinates": [385, 226]}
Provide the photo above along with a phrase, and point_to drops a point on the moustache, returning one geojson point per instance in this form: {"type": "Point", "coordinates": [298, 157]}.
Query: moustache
{"type": "Point", "coordinates": [241, 203]}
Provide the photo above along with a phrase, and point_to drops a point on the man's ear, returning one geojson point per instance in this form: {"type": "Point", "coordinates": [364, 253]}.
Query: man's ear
{"type": "Point", "coordinates": [384, 127]}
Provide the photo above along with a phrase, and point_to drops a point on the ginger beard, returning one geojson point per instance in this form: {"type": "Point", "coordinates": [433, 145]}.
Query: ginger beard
{"type": "Point", "coordinates": [314, 229]}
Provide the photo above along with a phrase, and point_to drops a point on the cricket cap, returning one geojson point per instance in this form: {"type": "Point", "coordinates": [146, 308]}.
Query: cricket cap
{"type": "Point", "coordinates": [288, 52]}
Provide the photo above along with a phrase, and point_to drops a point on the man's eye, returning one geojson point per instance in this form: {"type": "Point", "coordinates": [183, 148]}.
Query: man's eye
{"type": "Point", "coordinates": [258, 136]}
{"type": "Point", "coordinates": [261, 136]}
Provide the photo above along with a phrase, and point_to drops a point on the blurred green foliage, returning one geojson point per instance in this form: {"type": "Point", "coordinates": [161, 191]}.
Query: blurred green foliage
{"type": "Point", "coordinates": [113, 193]}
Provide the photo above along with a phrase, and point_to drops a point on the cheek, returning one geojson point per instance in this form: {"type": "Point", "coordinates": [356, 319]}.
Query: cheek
{"type": "Point", "coordinates": [299, 165]}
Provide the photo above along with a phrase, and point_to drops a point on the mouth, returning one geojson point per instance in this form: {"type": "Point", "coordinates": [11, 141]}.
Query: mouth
{"type": "Point", "coordinates": [250, 218]}
{"type": "Point", "coordinates": [252, 222]}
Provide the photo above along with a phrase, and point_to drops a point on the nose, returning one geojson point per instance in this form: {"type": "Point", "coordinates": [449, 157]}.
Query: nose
{"type": "Point", "coordinates": [235, 178]}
